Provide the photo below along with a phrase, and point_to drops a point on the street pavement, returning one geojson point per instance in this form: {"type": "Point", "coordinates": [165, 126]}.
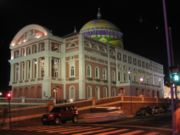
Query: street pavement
{"type": "Point", "coordinates": [104, 123]}
{"type": "Point", "coordinates": [68, 129]}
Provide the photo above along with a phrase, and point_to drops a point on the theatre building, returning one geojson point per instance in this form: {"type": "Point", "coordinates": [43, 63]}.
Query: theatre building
{"type": "Point", "coordinates": [81, 65]}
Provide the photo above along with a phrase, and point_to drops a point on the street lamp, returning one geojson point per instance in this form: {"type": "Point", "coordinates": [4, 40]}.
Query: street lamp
{"type": "Point", "coordinates": [129, 77]}
{"type": "Point", "coordinates": [141, 81]}
{"type": "Point", "coordinates": [0, 93]}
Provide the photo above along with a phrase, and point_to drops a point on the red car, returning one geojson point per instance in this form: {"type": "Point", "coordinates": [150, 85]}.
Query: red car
{"type": "Point", "coordinates": [59, 115]}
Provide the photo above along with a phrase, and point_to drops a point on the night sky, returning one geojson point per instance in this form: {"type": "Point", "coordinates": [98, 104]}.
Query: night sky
{"type": "Point", "coordinates": [141, 22]}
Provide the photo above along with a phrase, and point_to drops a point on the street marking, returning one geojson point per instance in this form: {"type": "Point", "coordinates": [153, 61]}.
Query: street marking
{"type": "Point", "coordinates": [92, 132]}
{"type": "Point", "coordinates": [82, 130]}
{"type": "Point", "coordinates": [134, 132]}
{"type": "Point", "coordinates": [153, 133]}
{"type": "Point", "coordinates": [113, 132]}
{"type": "Point", "coordinates": [72, 129]}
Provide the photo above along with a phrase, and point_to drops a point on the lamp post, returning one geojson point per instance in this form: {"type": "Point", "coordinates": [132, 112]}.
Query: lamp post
{"type": "Point", "coordinates": [129, 75]}
{"type": "Point", "coordinates": [141, 79]}
{"type": "Point", "coordinates": [170, 61]}
{"type": "Point", "coordinates": [9, 107]}
{"type": "Point", "coordinates": [130, 90]}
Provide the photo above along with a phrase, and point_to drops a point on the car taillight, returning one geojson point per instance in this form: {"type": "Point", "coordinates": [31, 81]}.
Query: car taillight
{"type": "Point", "coordinates": [76, 112]}
{"type": "Point", "coordinates": [50, 115]}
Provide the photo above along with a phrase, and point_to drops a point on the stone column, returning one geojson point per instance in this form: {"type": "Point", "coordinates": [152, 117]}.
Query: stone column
{"type": "Point", "coordinates": [50, 67]}
{"type": "Point", "coordinates": [31, 62]}
{"type": "Point", "coordinates": [37, 69]}
{"type": "Point", "coordinates": [81, 68]}
{"type": "Point", "coordinates": [12, 73]}
{"type": "Point", "coordinates": [19, 71]}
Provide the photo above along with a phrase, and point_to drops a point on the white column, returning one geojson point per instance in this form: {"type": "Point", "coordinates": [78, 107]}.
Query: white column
{"type": "Point", "coordinates": [39, 74]}
{"type": "Point", "coordinates": [50, 67]}
{"type": "Point", "coordinates": [19, 70]}
{"type": "Point", "coordinates": [37, 69]}
{"type": "Point", "coordinates": [59, 67]}
{"type": "Point", "coordinates": [12, 74]}
{"type": "Point", "coordinates": [63, 69]}
{"type": "Point", "coordinates": [46, 43]}
{"type": "Point", "coordinates": [46, 69]}
{"type": "Point", "coordinates": [109, 73]}
{"type": "Point", "coordinates": [31, 61]}
{"type": "Point", "coordinates": [25, 70]}
{"type": "Point", "coordinates": [81, 68]}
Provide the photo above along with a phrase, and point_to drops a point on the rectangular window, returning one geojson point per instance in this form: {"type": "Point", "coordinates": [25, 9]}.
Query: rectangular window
{"type": "Point", "coordinates": [139, 63]}
{"type": "Point", "coordinates": [129, 59]}
{"type": "Point", "coordinates": [41, 47]}
{"type": "Point", "coordinates": [119, 56]}
{"type": "Point", "coordinates": [55, 67]}
{"type": "Point", "coordinates": [134, 61]}
{"type": "Point", "coordinates": [28, 50]}
{"type": "Point", "coordinates": [16, 54]}
{"type": "Point", "coordinates": [72, 72]}
{"type": "Point", "coordinates": [119, 76]}
{"type": "Point", "coordinates": [54, 47]}
{"type": "Point", "coordinates": [124, 58]}
{"type": "Point", "coordinates": [34, 49]}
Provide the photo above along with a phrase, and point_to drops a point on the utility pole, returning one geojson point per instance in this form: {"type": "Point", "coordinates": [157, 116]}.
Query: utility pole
{"type": "Point", "coordinates": [170, 61]}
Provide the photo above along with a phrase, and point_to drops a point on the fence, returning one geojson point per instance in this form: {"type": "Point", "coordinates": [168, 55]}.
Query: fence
{"type": "Point", "coordinates": [129, 105]}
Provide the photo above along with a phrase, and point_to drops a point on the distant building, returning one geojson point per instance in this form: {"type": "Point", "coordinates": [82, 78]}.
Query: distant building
{"type": "Point", "coordinates": [91, 63]}
{"type": "Point", "coordinates": [167, 92]}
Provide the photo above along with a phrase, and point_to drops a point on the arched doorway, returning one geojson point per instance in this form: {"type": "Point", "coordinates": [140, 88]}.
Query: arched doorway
{"type": "Point", "coordinates": [72, 93]}
{"type": "Point", "coordinates": [97, 93]}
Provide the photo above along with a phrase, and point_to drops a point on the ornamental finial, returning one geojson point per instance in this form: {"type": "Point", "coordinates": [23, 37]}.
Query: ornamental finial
{"type": "Point", "coordinates": [75, 30]}
{"type": "Point", "coordinates": [99, 14]}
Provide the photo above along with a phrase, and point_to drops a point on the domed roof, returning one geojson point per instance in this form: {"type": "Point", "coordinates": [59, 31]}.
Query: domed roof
{"type": "Point", "coordinates": [99, 24]}
{"type": "Point", "coordinates": [103, 31]}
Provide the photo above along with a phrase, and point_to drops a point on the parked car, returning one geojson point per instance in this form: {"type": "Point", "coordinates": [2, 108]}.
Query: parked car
{"type": "Point", "coordinates": [155, 110]}
{"type": "Point", "coordinates": [158, 110]}
{"type": "Point", "coordinates": [59, 115]}
{"type": "Point", "coordinates": [144, 111]}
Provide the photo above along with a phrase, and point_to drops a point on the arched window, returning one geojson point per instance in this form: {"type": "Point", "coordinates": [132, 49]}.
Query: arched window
{"type": "Point", "coordinates": [89, 92]}
{"type": "Point", "coordinates": [105, 92]}
{"type": "Point", "coordinates": [114, 92]}
{"type": "Point", "coordinates": [71, 92]}
{"type": "Point", "coordinates": [97, 73]}
{"type": "Point", "coordinates": [89, 71]}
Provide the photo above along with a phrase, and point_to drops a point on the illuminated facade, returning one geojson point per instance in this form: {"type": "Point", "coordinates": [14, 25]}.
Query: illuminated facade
{"type": "Point", "coordinates": [167, 92]}
{"type": "Point", "coordinates": [91, 63]}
